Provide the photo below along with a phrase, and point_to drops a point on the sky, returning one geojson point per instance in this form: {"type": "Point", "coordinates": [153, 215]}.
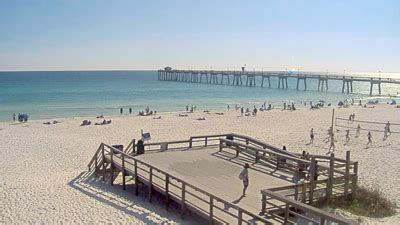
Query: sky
{"type": "Point", "coordinates": [148, 35]}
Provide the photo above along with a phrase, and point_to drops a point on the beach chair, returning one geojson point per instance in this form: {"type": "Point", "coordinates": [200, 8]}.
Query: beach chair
{"type": "Point", "coordinates": [146, 136]}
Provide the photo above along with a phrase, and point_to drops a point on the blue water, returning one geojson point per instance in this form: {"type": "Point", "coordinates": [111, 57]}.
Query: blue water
{"type": "Point", "coordinates": [90, 93]}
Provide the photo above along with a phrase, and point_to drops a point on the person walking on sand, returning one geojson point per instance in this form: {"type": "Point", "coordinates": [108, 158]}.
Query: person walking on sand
{"type": "Point", "coordinates": [358, 130]}
{"type": "Point", "coordinates": [241, 111]}
{"type": "Point", "coordinates": [369, 136]}
{"type": "Point", "coordinates": [332, 144]}
{"type": "Point", "coordinates": [385, 133]}
{"type": "Point", "coordinates": [13, 117]}
{"type": "Point", "coordinates": [312, 136]}
{"type": "Point", "coordinates": [347, 136]}
{"type": "Point", "coordinates": [330, 132]}
{"type": "Point", "coordinates": [388, 127]}
{"type": "Point", "coordinates": [244, 176]}
{"type": "Point", "coordinates": [130, 110]}
{"type": "Point", "coordinates": [121, 110]}
{"type": "Point", "coordinates": [228, 107]}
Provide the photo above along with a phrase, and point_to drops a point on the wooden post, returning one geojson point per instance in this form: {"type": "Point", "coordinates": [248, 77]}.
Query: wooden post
{"type": "Point", "coordinates": [95, 165]}
{"type": "Point", "coordinates": [151, 184]}
{"type": "Point", "coordinates": [166, 190]}
{"type": "Point", "coordinates": [263, 203]}
{"type": "Point", "coordinates": [211, 209]}
{"type": "Point", "coordinates": [346, 181]}
{"type": "Point", "coordinates": [330, 178]}
{"type": "Point", "coordinates": [220, 145]}
{"type": "Point", "coordinates": [312, 182]}
{"type": "Point", "coordinates": [205, 142]}
{"type": "Point", "coordinates": [240, 216]}
{"type": "Point", "coordinates": [286, 212]}
{"type": "Point", "coordinates": [256, 160]}
{"type": "Point", "coordinates": [355, 177]}
{"type": "Point", "coordinates": [183, 199]}
{"type": "Point", "coordinates": [104, 163]}
{"type": "Point", "coordinates": [303, 193]}
{"type": "Point", "coordinates": [136, 180]}
{"type": "Point", "coordinates": [322, 222]}
{"type": "Point", "coordinates": [190, 142]}
{"type": "Point", "coordinates": [333, 118]}
{"type": "Point", "coordinates": [296, 192]}
{"type": "Point", "coordinates": [112, 166]}
{"type": "Point", "coordinates": [123, 173]}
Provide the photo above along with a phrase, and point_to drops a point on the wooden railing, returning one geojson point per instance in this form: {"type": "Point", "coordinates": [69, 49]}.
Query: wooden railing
{"type": "Point", "coordinates": [337, 175]}
{"type": "Point", "coordinates": [292, 207]}
{"type": "Point", "coordinates": [335, 172]}
{"type": "Point", "coordinates": [145, 173]}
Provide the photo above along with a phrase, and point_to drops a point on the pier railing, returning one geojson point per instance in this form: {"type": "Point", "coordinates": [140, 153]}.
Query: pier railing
{"type": "Point", "coordinates": [172, 187]}
{"type": "Point", "coordinates": [217, 77]}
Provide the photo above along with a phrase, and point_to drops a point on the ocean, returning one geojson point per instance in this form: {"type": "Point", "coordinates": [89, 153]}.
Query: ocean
{"type": "Point", "coordinates": [44, 95]}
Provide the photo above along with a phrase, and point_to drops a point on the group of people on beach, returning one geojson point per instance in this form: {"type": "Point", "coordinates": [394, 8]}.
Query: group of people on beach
{"type": "Point", "coordinates": [191, 108]}
{"type": "Point", "coordinates": [145, 112]}
{"type": "Point", "coordinates": [21, 117]}
{"type": "Point", "coordinates": [331, 135]}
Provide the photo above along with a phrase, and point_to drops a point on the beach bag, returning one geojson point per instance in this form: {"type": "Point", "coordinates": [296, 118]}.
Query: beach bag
{"type": "Point", "coordinates": [241, 175]}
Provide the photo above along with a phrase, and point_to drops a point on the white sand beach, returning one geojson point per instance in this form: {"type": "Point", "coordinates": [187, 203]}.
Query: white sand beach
{"type": "Point", "coordinates": [43, 166]}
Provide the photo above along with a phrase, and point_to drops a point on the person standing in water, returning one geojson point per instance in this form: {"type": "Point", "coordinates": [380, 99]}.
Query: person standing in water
{"type": "Point", "coordinates": [244, 176]}
{"type": "Point", "coordinates": [121, 110]}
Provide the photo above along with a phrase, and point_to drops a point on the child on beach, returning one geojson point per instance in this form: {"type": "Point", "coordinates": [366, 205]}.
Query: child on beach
{"type": "Point", "coordinates": [312, 136]}
{"type": "Point", "coordinates": [369, 136]}
{"type": "Point", "coordinates": [358, 130]}
{"type": "Point", "coordinates": [347, 136]}
{"type": "Point", "coordinates": [244, 176]}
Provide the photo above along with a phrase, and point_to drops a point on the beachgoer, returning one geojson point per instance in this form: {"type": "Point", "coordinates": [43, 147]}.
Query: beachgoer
{"type": "Point", "coordinates": [130, 110]}
{"type": "Point", "coordinates": [347, 136]}
{"type": "Point", "coordinates": [228, 108]}
{"type": "Point", "coordinates": [121, 111]}
{"type": "Point", "coordinates": [332, 144]}
{"type": "Point", "coordinates": [385, 133]}
{"type": "Point", "coordinates": [388, 127]}
{"type": "Point", "coordinates": [329, 133]}
{"type": "Point", "coordinates": [244, 176]}
{"type": "Point", "coordinates": [281, 160]}
{"type": "Point", "coordinates": [369, 136]}
{"type": "Point", "coordinates": [187, 108]}
{"type": "Point", "coordinates": [312, 136]}
{"type": "Point", "coordinates": [358, 130]}
{"type": "Point", "coordinates": [241, 111]}
{"type": "Point", "coordinates": [13, 117]}
{"type": "Point", "coordinates": [284, 105]}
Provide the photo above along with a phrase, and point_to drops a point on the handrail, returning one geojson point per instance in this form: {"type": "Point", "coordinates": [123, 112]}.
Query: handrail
{"type": "Point", "coordinates": [324, 216]}
{"type": "Point", "coordinates": [95, 156]}
{"type": "Point", "coordinates": [231, 205]}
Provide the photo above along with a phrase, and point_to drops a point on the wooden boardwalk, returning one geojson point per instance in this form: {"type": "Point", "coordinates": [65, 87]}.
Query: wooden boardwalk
{"type": "Point", "coordinates": [203, 178]}
{"type": "Point", "coordinates": [250, 78]}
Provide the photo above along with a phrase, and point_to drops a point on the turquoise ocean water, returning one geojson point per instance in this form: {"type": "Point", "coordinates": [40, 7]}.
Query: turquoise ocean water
{"type": "Point", "coordinates": [90, 93]}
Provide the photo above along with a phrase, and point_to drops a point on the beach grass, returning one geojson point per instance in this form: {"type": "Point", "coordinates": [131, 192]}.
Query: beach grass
{"type": "Point", "coordinates": [369, 202]}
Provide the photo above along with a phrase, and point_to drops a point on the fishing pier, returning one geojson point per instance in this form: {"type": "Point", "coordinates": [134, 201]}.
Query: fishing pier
{"type": "Point", "coordinates": [241, 78]}
{"type": "Point", "coordinates": [199, 176]}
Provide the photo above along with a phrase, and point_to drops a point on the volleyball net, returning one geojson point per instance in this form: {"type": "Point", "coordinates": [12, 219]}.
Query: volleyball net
{"type": "Point", "coordinates": [366, 125]}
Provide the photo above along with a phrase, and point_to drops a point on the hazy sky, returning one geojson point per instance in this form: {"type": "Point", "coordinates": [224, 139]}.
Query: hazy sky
{"type": "Point", "coordinates": [103, 34]}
